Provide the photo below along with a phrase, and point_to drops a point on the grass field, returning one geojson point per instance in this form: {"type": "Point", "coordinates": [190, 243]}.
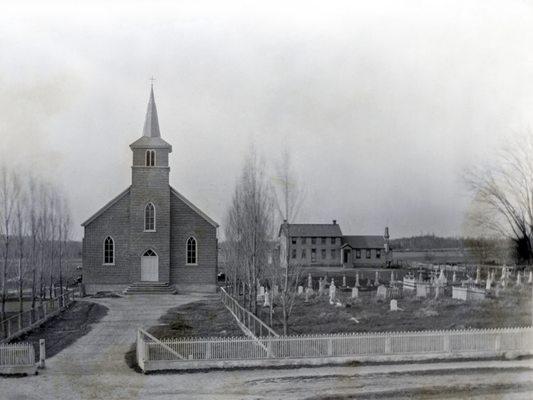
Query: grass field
{"type": "Point", "coordinates": [511, 309]}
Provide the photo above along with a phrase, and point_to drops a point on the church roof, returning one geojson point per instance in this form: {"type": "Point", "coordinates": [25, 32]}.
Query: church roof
{"type": "Point", "coordinates": [108, 205]}
{"type": "Point", "coordinates": [151, 122]}
{"type": "Point", "coordinates": [193, 207]}
{"type": "Point", "coordinates": [151, 137]}
{"type": "Point", "coordinates": [172, 190]}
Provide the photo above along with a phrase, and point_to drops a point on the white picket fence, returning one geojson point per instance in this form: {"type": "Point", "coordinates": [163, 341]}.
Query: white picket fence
{"type": "Point", "coordinates": [19, 324]}
{"type": "Point", "coordinates": [199, 352]}
{"type": "Point", "coordinates": [17, 358]}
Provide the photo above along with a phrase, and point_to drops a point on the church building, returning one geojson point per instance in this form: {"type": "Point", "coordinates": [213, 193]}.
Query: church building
{"type": "Point", "coordinates": [150, 238]}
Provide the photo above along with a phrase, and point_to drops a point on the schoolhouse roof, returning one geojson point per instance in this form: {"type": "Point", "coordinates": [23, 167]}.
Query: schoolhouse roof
{"type": "Point", "coordinates": [312, 230]}
{"type": "Point", "coordinates": [363, 241]}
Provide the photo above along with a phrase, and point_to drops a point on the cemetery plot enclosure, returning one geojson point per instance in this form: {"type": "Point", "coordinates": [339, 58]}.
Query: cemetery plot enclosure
{"type": "Point", "coordinates": [199, 353]}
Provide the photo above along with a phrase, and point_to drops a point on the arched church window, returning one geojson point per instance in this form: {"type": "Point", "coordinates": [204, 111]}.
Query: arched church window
{"type": "Point", "coordinates": [192, 251]}
{"type": "Point", "coordinates": [149, 217]}
{"type": "Point", "coordinates": [150, 158]}
{"type": "Point", "coordinates": [109, 251]}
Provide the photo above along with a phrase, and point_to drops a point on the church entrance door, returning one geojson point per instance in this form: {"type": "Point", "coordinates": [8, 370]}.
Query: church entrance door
{"type": "Point", "coordinates": [150, 266]}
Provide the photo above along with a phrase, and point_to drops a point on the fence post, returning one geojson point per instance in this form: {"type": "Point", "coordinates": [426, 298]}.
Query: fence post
{"type": "Point", "coordinates": [330, 346]}
{"type": "Point", "coordinates": [42, 353]}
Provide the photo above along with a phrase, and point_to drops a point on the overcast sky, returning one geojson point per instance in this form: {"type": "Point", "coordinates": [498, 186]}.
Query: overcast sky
{"type": "Point", "coordinates": [382, 103]}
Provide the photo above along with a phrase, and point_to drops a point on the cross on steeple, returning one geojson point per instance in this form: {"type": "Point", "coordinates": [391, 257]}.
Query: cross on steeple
{"type": "Point", "coordinates": [152, 79]}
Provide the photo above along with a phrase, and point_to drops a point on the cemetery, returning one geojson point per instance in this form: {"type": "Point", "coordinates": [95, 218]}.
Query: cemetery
{"type": "Point", "coordinates": [423, 298]}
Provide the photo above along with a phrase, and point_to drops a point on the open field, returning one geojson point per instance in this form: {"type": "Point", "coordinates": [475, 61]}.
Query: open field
{"type": "Point", "coordinates": [511, 309]}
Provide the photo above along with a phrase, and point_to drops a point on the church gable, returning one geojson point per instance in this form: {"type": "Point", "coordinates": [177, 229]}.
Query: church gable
{"type": "Point", "coordinates": [107, 207]}
{"type": "Point", "coordinates": [199, 212]}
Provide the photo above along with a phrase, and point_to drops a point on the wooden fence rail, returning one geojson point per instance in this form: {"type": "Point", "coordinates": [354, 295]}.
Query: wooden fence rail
{"type": "Point", "coordinates": [423, 343]}
{"type": "Point", "coordinates": [249, 323]}
{"type": "Point", "coordinates": [19, 324]}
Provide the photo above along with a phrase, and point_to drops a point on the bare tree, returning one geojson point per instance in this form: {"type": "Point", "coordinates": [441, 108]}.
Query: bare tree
{"type": "Point", "coordinates": [503, 195]}
{"type": "Point", "coordinates": [8, 196]}
{"type": "Point", "coordinates": [20, 233]}
{"type": "Point", "coordinates": [249, 224]}
{"type": "Point", "coordinates": [34, 221]}
{"type": "Point", "coordinates": [287, 273]}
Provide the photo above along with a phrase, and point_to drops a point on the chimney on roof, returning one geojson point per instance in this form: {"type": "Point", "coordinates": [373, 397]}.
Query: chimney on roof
{"type": "Point", "coordinates": [284, 221]}
{"type": "Point", "coordinates": [386, 236]}
{"type": "Point", "coordinates": [334, 222]}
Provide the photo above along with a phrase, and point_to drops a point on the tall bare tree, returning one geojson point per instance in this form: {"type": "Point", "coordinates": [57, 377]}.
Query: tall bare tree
{"type": "Point", "coordinates": [249, 226]}
{"type": "Point", "coordinates": [286, 273]}
{"type": "Point", "coordinates": [503, 195]}
{"type": "Point", "coordinates": [8, 196]}
{"type": "Point", "coordinates": [20, 233]}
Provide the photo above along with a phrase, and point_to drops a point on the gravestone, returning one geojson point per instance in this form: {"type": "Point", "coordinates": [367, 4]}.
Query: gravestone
{"type": "Point", "coordinates": [530, 279]}
{"type": "Point", "coordinates": [307, 293]}
{"type": "Point", "coordinates": [394, 305]}
{"type": "Point", "coordinates": [357, 279]}
{"type": "Point", "coordinates": [478, 276]}
{"type": "Point", "coordinates": [320, 287]}
{"type": "Point", "coordinates": [454, 277]}
{"type": "Point", "coordinates": [421, 290]}
{"type": "Point", "coordinates": [300, 290]}
{"type": "Point", "coordinates": [332, 291]}
{"type": "Point", "coordinates": [420, 278]}
{"type": "Point", "coordinates": [267, 299]}
{"type": "Point", "coordinates": [391, 277]}
{"type": "Point", "coordinates": [382, 292]}
{"type": "Point", "coordinates": [355, 292]}
{"type": "Point", "coordinates": [438, 291]}
{"type": "Point", "coordinates": [518, 278]}
{"type": "Point", "coordinates": [376, 281]}
{"type": "Point", "coordinates": [261, 290]}
{"type": "Point", "coordinates": [309, 281]}
{"type": "Point", "coordinates": [488, 284]}
{"type": "Point", "coordinates": [344, 281]}
{"type": "Point", "coordinates": [442, 281]}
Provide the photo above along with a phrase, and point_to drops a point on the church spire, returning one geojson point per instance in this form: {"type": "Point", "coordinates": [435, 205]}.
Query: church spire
{"type": "Point", "coordinates": [151, 123]}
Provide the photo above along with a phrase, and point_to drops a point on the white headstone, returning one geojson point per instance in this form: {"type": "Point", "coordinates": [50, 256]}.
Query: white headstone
{"type": "Point", "coordinates": [320, 287]}
{"type": "Point", "coordinates": [391, 276]}
{"type": "Point", "coordinates": [442, 281]}
{"type": "Point", "coordinates": [309, 281]}
{"type": "Point", "coordinates": [394, 305]}
{"type": "Point", "coordinates": [355, 292]}
{"type": "Point", "coordinates": [332, 291]}
{"type": "Point", "coordinates": [307, 293]}
{"type": "Point", "coordinates": [300, 290]}
{"type": "Point", "coordinates": [376, 281]}
{"type": "Point", "coordinates": [488, 284]}
{"type": "Point", "coordinates": [421, 290]}
{"type": "Point", "coordinates": [530, 279]}
{"type": "Point", "coordinates": [518, 278]}
{"type": "Point", "coordinates": [478, 276]}
{"type": "Point", "coordinates": [344, 281]}
{"type": "Point", "coordinates": [420, 276]}
{"type": "Point", "coordinates": [357, 279]}
{"type": "Point", "coordinates": [438, 291]}
{"type": "Point", "coordinates": [503, 273]}
{"type": "Point", "coordinates": [454, 277]}
{"type": "Point", "coordinates": [267, 299]}
{"type": "Point", "coordinates": [382, 292]}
